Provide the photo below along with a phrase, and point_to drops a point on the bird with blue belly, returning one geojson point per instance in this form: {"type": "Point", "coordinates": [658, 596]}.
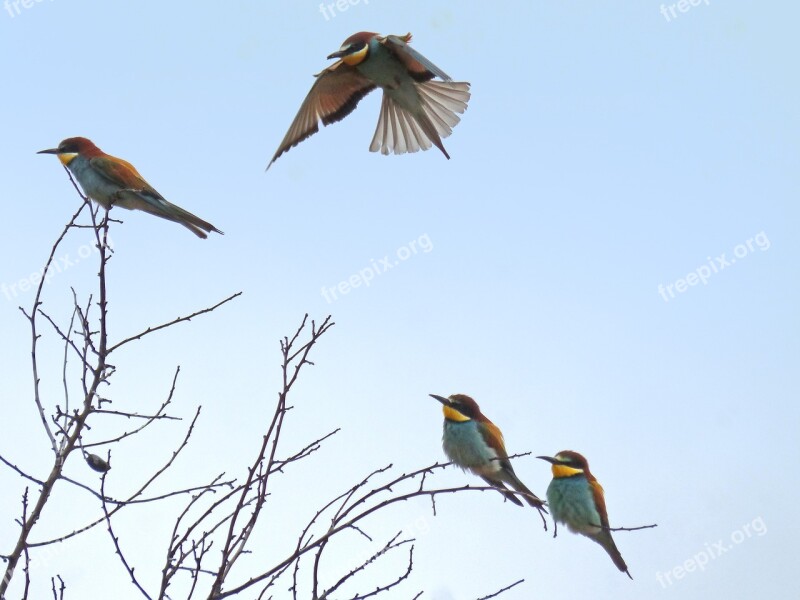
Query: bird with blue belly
{"type": "Point", "coordinates": [476, 444]}
{"type": "Point", "coordinates": [420, 105]}
{"type": "Point", "coordinates": [576, 499]}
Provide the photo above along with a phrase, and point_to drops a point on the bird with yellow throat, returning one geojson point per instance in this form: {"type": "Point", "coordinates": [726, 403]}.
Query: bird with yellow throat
{"type": "Point", "coordinates": [576, 498]}
{"type": "Point", "coordinates": [476, 445]}
{"type": "Point", "coordinates": [112, 181]}
{"type": "Point", "coordinates": [420, 105]}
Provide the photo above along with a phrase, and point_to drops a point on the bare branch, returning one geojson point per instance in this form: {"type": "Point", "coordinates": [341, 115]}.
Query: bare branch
{"type": "Point", "coordinates": [631, 528]}
{"type": "Point", "coordinates": [498, 592]}
{"type": "Point", "coordinates": [150, 330]}
{"type": "Point", "coordinates": [115, 541]}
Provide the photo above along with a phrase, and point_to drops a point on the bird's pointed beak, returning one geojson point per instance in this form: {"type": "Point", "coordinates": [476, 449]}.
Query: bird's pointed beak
{"type": "Point", "coordinates": [49, 151]}
{"type": "Point", "coordinates": [441, 399]}
{"type": "Point", "coordinates": [549, 459]}
{"type": "Point", "coordinates": [338, 54]}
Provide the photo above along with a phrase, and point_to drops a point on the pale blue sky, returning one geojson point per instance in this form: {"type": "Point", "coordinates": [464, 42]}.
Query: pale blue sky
{"type": "Point", "coordinates": [606, 151]}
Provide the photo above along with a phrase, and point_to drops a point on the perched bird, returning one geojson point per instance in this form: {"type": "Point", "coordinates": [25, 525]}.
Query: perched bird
{"type": "Point", "coordinates": [111, 181]}
{"type": "Point", "coordinates": [415, 112]}
{"type": "Point", "coordinates": [576, 498]}
{"type": "Point", "coordinates": [96, 463]}
{"type": "Point", "coordinates": [475, 444]}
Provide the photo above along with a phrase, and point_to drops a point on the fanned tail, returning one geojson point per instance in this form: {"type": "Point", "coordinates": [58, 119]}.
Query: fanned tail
{"type": "Point", "coordinates": [399, 131]}
{"type": "Point", "coordinates": [443, 101]}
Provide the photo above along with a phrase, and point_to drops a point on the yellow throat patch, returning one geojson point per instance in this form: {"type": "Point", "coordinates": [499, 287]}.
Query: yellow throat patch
{"type": "Point", "coordinates": [451, 414]}
{"type": "Point", "coordinates": [67, 157]}
{"type": "Point", "coordinates": [356, 57]}
{"type": "Point", "coordinates": [565, 471]}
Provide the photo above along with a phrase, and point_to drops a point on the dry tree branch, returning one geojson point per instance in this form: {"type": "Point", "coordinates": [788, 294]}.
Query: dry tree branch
{"type": "Point", "coordinates": [150, 330]}
{"type": "Point", "coordinates": [70, 441]}
{"type": "Point", "coordinates": [498, 592]}
{"type": "Point", "coordinates": [392, 544]}
{"type": "Point", "coordinates": [238, 535]}
{"type": "Point", "coordinates": [20, 472]}
{"type": "Point", "coordinates": [640, 527]}
{"type": "Point", "coordinates": [71, 423]}
{"type": "Point", "coordinates": [341, 523]}
{"type": "Point", "coordinates": [58, 594]}
{"type": "Point", "coordinates": [115, 540]}
{"type": "Point", "coordinates": [32, 320]}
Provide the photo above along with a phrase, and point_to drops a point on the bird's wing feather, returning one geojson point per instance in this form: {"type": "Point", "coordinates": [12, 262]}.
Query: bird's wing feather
{"type": "Point", "coordinates": [494, 439]}
{"type": "Point", "coordinates": [599, 501]}
{"type": "Point", "coordinates": [120, 172]}
{"type": "Point", "coordinates": [418, 66]}
{"type": "Point", "coordinates": [334, 95]}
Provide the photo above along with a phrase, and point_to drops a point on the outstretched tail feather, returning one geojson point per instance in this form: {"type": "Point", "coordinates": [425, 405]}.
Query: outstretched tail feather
{"type": "Point", "coordinates": [500, 487]}
{"type": "Point", "coordinates": [531, 498]}
{"type": "Point", "coordinates": [158, 206]}
{"type": "Point", "coordinates": [400, 131]}
{"type": "Point", "coordinates": [442, 102]}
{"type": "Point", "coordinates": [192, 222]}
{"type": "Point", "coordinates": [607, 542]}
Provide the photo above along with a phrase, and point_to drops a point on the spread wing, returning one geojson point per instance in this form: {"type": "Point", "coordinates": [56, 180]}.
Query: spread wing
{"type": "Point", "coordinates": [334, 95]}
{"type": "Point", "coordinates": [420, 67]}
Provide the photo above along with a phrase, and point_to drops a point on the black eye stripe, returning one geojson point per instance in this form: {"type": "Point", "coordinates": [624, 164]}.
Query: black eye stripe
{"type": "Point", "coordinates": [464, 410]}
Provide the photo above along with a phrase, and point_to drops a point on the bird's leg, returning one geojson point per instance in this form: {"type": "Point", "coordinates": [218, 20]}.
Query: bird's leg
{"type": "Point", "coordinates": [555, 528]}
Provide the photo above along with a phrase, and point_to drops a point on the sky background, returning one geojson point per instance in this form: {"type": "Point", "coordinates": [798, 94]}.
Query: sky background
{"type": "Point", "coordinates": [607, 150]}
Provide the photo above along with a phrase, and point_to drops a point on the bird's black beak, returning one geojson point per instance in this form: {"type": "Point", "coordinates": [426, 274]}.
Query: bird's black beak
{"type": "Point", "coordinates": [50, 151]}
{"type": "Point", "coordinates": [549, 459]}
{"type": "Point", "coordinates": [444, 401]}
{"type": "Point", "coordinates": [339, 54]}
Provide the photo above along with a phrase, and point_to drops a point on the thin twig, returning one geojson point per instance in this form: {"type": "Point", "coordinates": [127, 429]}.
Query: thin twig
{"type": "Point", "coordinates": [150, 330]}
{"type": "Point", "coordinates": [498, 592]}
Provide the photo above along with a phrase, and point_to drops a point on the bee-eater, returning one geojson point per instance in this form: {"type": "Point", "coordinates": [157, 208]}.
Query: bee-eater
{"type": "Point", "coordinates": [415, 112]}
{"type": "Point", "coordinates": [111, 181]}
{"type": "Point", "coordinates": [576, 498]}
{"type": "Point", "coordinates": [475, 444]}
